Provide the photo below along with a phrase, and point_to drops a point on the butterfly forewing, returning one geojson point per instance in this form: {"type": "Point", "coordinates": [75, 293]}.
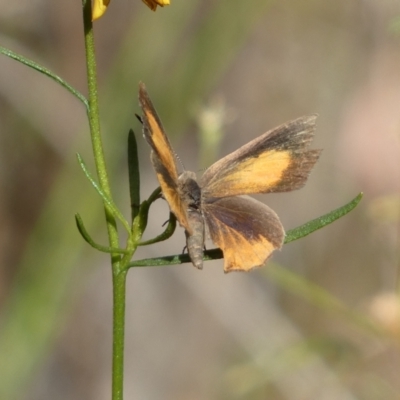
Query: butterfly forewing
{"type": "Point", "coordinates": [246, 230]}
{"type": "Point", "coordinates": [155, 135]}
{"type": "Point", "coordinates": [162, 157]}
{"type": "Point", "coordinates": [277, 161]}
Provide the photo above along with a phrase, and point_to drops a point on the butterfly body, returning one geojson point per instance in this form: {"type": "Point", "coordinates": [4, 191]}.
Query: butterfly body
{"type": "Point", "coordinates": [195, 240]}
{"type": "Point", "coordinates": [190, 192]}
{"type": "Point", "coordinates": [245, 229]}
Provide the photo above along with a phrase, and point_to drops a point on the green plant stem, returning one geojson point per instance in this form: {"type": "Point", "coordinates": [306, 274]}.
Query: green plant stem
{"type": "Point", "coordinates": [119, 285]}
{"type": "Point", "coordinates": [94, 120]}
{"type": "Point", "coordinates": [118, 272]}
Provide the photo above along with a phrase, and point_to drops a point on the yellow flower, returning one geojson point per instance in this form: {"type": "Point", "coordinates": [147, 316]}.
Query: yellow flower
{"type": "Point", "coordinates": [152, 4]}
{"type": "Point", "coordinates": [99, 8]}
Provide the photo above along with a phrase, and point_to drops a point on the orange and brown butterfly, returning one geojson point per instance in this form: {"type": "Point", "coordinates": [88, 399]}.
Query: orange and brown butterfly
{"type": "Point", "coordinates": [246, 230]}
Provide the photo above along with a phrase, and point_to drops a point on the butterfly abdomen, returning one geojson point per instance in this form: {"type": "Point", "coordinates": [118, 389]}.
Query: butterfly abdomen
{"type": "Point", "coordinates": [195, 241]}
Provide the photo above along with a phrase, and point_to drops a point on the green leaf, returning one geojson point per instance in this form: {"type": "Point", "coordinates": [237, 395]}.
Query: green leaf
{"type": "Point", "coordinates": [145, 206]}
{"type": "Point", "coordinates": [154, 196]}
{"type": "Point", "coordinates": [113, 208]}
{"type": "Point", "coordinates": [88, 239]}
{"type": "Point", "coordinates": [140, 222]}
{"type": "Point", "coordinates": [134, 175]}
{"type": "Point", "coordinates": [318, 223]}
{"type": "Point", "coordinates": [45, 71]}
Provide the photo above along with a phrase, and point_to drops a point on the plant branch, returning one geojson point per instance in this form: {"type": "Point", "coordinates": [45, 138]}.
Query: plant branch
{"type": "Point", "coordinates": [292, 234]}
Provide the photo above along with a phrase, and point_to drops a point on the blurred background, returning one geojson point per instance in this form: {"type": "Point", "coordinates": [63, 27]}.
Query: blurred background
{"type": "Point", "coordinates": [322, 321]}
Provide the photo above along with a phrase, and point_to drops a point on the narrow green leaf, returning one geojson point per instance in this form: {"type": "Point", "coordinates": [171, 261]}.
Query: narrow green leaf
{"type": "Point", "coordinates": [154, 196]}
{"type": "Point", "coordinates": [140, 222]}
{"type": "Point", "coordinates": [293, 234]}
{"type": "Point", "coordinates": [319, 297]}
{"type": "Point", "coordinates": [318, 223]}
{"type": "Point", "coordinates": [88, 239]}
{"type": "Point", "coordinates": [169, 230]}
{"type": "Point", "coordinates": [113, 208]}
{"type": "Point", "coordinates": [45, 71]}
{"type": "Point", "coordinates": [134, 175]}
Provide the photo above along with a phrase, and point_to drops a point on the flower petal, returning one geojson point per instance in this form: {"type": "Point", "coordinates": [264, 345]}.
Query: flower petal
{"type": "Point", "coordinates": [99, 8]}
{"type": "Point", "coordinates": [152, 4]}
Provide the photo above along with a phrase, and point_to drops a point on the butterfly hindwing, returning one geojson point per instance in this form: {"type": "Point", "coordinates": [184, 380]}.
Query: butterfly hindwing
{"type": "Point", "coordinates": [246, 230]}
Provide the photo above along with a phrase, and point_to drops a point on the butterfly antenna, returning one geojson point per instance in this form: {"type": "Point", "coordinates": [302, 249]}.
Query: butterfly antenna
{"type": "Point", "coordinates": [180, 161]}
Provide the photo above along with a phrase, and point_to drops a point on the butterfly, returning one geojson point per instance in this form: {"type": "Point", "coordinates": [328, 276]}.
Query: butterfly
{"type": "Point", "coordinates": [246, 230]}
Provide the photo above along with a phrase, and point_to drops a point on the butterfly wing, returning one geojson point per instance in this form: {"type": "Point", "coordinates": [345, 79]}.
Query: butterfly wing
{"type": "Point", "coordinates": [277, 161]}
{"type": "Point", "coordinates": [246, 230]}
{"type": "Point", "coordinates": [162, 157]}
